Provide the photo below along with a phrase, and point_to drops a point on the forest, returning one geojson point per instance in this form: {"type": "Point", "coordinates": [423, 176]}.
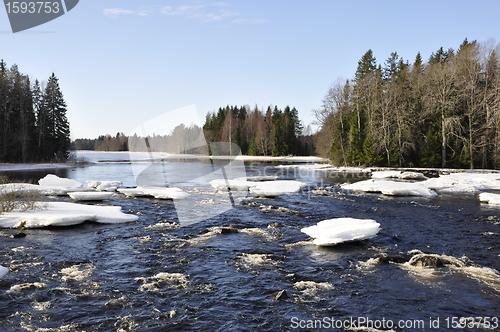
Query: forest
{"type": "Point", "coordinates": [441, 113]}
{"type": "Point", "coordinates": [273, 132]}
{"type": "Point", "coordinates": [33, 122]}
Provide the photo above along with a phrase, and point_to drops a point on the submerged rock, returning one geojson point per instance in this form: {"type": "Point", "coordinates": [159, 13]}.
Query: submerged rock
{"type": "Point", "coordinates": [228, 230]}
{"type": "Point", "coordinates": [427, 261]}
{"type": "Point", "coordinates": [281, 295]}
{"type": "Point", "coordinates": [432, 260]}
{"type": "Point", "coordinates": [387, 259]}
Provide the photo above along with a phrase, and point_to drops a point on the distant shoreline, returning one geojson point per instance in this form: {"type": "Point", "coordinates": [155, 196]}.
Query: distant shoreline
{"type": "Point", "coordinates": [7, 167]}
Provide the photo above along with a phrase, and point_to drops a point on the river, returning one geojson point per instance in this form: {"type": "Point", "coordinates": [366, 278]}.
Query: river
{"type": "Point", "coordinates": [156, 275]}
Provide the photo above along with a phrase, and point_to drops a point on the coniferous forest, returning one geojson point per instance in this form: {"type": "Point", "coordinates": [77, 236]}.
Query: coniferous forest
{"type": "Point", "coordinates": [444, 112]}
{"type": "Point", "coordinates": [33, 123]}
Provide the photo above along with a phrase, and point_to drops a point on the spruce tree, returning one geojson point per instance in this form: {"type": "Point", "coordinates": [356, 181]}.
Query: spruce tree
{"type": "Point", "coordinates": [55, 135]}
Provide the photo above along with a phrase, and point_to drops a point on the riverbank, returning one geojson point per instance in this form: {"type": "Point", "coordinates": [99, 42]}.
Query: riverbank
{"type": "Point", "coordinates": [32, 167]}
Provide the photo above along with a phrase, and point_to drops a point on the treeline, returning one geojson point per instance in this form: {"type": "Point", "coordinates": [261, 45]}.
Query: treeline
{"type": "Point", "coordinates": [33, 123]}
{"type": "Point", "coordinates": [274, 132]}
{"type": "Point", "coordinates": [441, 113]}
{"type": "Point", "coordinates": [102, 143]}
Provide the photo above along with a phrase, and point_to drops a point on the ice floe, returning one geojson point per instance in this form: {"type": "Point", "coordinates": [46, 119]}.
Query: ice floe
{"type": "Point", "coordinates": [326, 168]}
{"type": "Point", "coordinates": [260, 188]}
{"type": "Point", "coordinates": [52, 180]}
{"type": "Point", "coordinates": [392, 188]}
{"type": "Point", "coordinates": [490, 198]}
{"type": "Point", "coordinates": [3, 271]}
{"type": "Point", "coordinates": [89, 196]}
{"type": "Point", "coordinates": [156, 192]}
{"type": "Point", "coordinates": [334, 231]}
{"type": "Point", "coordinates": [237, 185]}
{"type": "Point", "coordinates": [464, 182]}
{"type": "Point", "coordinates": [398, 175]}
{"type": "Point", "coordinates": [65, 214]}
{"type": "Point", "coordinates": [276, 188]}
{"type": "Point", "coordinates": [105, 185]}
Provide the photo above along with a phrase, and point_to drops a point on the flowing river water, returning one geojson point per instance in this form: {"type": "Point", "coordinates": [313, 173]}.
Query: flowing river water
{"type": "Point", "coordinates": [154, 275]}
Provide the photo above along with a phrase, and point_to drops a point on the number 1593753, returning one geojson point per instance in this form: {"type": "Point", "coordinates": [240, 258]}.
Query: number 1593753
{"type": "Point", "coordinates": [32, 7]}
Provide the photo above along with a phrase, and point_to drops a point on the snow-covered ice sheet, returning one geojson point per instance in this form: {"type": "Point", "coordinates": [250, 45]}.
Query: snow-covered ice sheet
{"type": "Point", "coordinates": [334, 231]}
{"type": "Point", "coordinates": [490, 198]}
{"type": "Point", "coordinates": [65, 214]}
{"type": "Point", "coordinates": [391, 188]}
{"type": "Point", "coordinates": [260, 188]}
{"type": "Point", "coordinates": [90, 196]}
{"type": "Point", "coordinates": [3, 271]}
{"type": "Point", "coordinates": [276, 188]}
{"type": "Point", "coordinates": [237, 185]}
{"type": "Point", "coordinates": [398, 175]}
{"type": "Point", "coordinates": [464, 182]}
{"type": "Point", "coordinates": [156, 192]}
{"type": "Point", "coordinates": [105, 185]}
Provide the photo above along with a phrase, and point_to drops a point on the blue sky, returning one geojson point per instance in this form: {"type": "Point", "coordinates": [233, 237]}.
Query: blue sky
{"type": "Point", "coordinates": [122, 63]}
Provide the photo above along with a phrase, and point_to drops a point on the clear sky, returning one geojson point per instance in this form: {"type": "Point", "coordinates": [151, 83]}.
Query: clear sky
{"type": "Point", "coordinates": [123, 62]}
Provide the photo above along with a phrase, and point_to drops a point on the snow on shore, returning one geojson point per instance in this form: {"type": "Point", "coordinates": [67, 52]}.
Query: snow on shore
{"type": "Point", "coordinates": [334, 231]}
{"type": "Point", "coordinates": [65, 214]}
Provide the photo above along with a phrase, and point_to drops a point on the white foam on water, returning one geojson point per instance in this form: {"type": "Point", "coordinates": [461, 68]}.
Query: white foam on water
{"type": "Point", "coordinates": [254, 259]}
{"type": "Point", "coordinates": [41, 306]}
{"type": "Point", "coordinates": [156, 282]}
{"type": "Point", "coordinates": [257, 232]}
{"type": "Point", "coordinates": [163, 225]}
{"type": "Point", "coordinates": [17, 290]}
{"type": "Point", "coordinates": [78, 272]}
{"type": "Point", "coordinates": [311, 288]}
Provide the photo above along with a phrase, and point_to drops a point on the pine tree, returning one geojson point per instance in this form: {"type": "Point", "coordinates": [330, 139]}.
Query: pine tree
{"type": "Point", "coordinates": [54, 138]}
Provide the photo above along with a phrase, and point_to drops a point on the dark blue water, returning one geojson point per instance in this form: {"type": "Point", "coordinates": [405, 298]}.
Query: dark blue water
{"type": "Point", "coordinates": [152, 275]}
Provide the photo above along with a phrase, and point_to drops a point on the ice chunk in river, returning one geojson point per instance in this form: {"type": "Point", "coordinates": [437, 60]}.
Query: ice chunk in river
{"type": "Point", "coordinates": [464, 182]}
{"type": "Point", "coordinates": [490, 198]}
{"type": "Point", "coordinates": [3, 271]}
{"type": "Point", "coordinates": [238, 185]}
{"type": "Point", "coordinates": [391, 188]}
{"type": "Point", "coordinates": [260, 188]}
{"type": "Point", "coordinates": [398, 175]}
{"type": "Point", "coordinates": [90, 196]}
{"type": "Point", "coordinates": [276, 188]}
{"type": "Point", "coordinates": [52, 180]}
{"type": "Point", "coordinates": [105, 185]}
{"type": "Point", "coordinates": [65, 214]}
{"type": "Point", "coordinates": [334, 231]}
{"type": "Point", "coordinates": [156, 192]}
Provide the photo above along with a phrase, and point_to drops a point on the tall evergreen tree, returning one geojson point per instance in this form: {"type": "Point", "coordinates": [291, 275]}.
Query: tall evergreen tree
{"type": "Point", "coordinates": [54, 138]}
